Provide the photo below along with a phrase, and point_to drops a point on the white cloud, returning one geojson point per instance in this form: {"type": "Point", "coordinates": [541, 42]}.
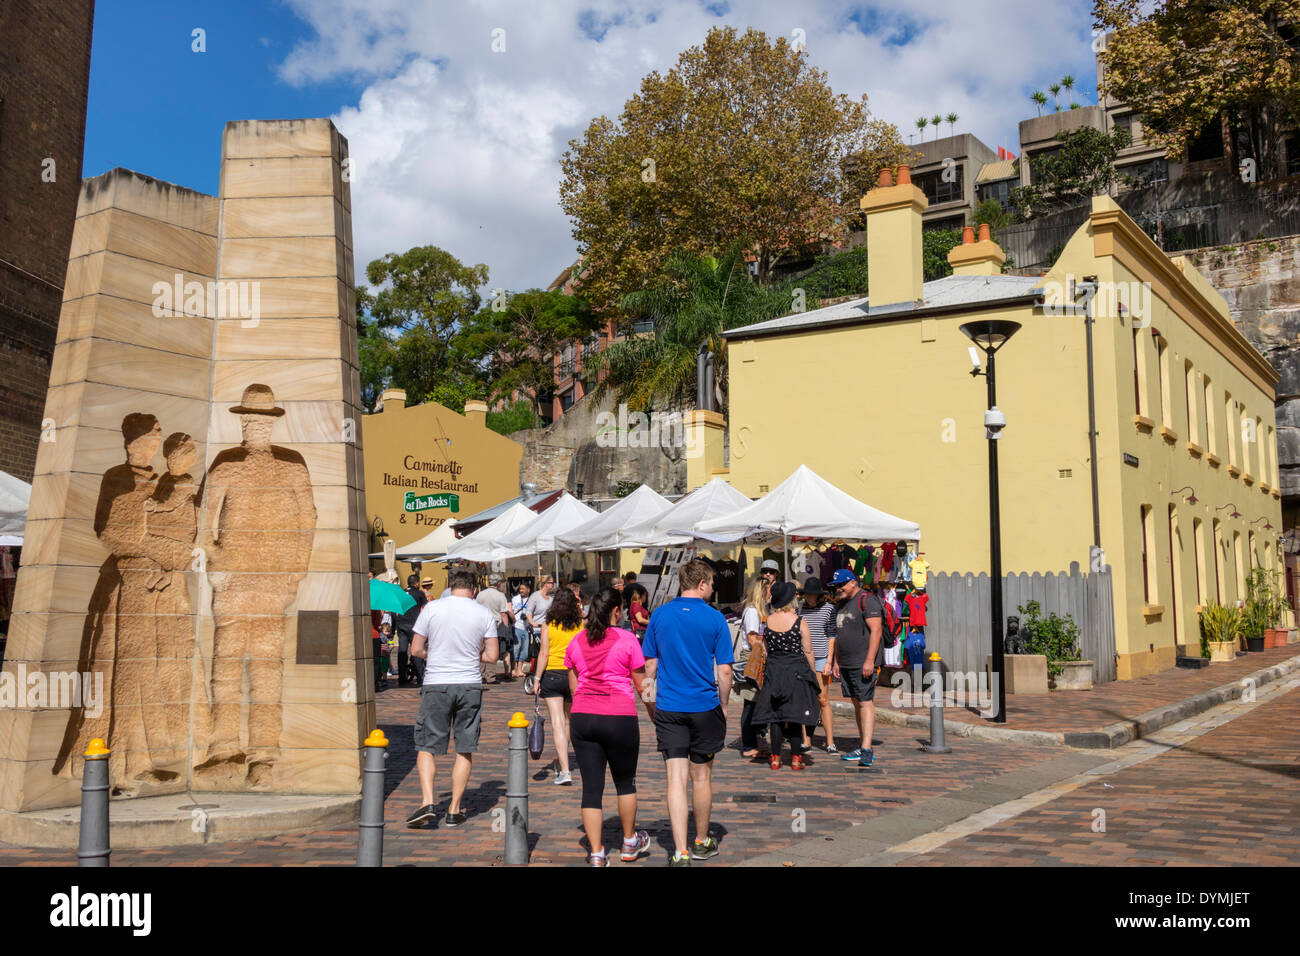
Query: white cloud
{"type": "Point", "coordinates": [457, 146]}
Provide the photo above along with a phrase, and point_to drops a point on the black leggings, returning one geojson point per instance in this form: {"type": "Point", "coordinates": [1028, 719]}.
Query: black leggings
{"type": "Point", "coordinates": [792, 732]}
{"type": "Point", "coordinates": [600, 739]}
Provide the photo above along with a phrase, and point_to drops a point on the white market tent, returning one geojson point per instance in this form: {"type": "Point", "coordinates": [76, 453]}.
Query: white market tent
{"type": "Point", "coordinates": [15, 496]}
{"type": "Point", "coordinates": [432, 545]}
{"type": "Point", "coordinates": [561, 518]}
{"type": "Point", "coordinates": [478, 546]}
{"type": "Point", "coordinates": [807, 505]}
{"type": "Point", "coordinates": [609, 528]}
{"type": "Point", "coordinates": [713, 500]}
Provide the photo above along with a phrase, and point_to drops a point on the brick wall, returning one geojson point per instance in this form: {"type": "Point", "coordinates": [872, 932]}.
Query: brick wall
{"type": "Point", "coordinates": [44, 74]}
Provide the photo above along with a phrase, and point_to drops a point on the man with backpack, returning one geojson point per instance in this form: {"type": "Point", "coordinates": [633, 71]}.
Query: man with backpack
{"type": "Point", "coordinates": [409, 669]}
{"type": "Point", "coordinates": [861, 630]}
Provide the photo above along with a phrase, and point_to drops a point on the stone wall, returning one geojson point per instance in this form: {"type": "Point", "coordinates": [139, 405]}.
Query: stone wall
{"type": "Point", "coordinates": [44, 73]}
{"type": "Point", "coordinates": [568, 453]}
{"type": "Point", "coordinates": [1261, 282]}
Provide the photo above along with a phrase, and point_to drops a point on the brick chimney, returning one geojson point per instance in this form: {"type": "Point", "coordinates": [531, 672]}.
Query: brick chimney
{"type": "Point", "coordinates": [972, 258]}
{"type": "Point", "coordinates": [894, 261]}
{"type": "Point", "coordinates": [392, 399]}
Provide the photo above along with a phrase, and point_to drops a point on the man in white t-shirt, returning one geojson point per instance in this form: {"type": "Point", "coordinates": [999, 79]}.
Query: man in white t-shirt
{"type": "Point", "coordinates": [452, 635]}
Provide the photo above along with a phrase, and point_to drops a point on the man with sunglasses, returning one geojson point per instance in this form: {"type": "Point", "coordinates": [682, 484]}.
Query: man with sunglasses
{"type": "Point", "coordinates": [859, 651]}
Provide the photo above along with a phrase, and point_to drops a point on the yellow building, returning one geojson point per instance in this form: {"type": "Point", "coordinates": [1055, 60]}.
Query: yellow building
{"type": "Point", "coordinates": [877, 397]}
{"type": "Point", "coordinates": [429, 452]}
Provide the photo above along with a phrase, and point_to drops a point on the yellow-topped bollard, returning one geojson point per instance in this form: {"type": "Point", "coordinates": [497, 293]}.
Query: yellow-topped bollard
{"type": "Point", "coordinates": [92, 837]}
{"type": "Point", "coordinates": [934, 676]}
{"type": "Point", "coordinates": [517, 789]}
{"type": "Point", "coordinates": [934, 656]}
{"type": "Point", "coordinates": [370, 840]}
{"type": "Point", "coordinates": [517, 720]}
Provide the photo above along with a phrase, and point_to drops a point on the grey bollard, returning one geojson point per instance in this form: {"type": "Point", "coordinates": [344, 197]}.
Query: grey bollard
{"type": "Point", "coordinates": [92, 842]}
{"type": "Point", "coordinates": [370, 840]}
{"type": "Point", "coordinates": [934, 671]}
{"type": "Point", "coordinates": [517, 792]}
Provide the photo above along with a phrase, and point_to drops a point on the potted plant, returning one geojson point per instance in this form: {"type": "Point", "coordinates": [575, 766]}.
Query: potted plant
{"type": "Point", "coordinates": [1255, 612]}
{"type": "Point", "coordinates": [1222, 627]}
{"type": "Point", "coordinates": [1057, 639]}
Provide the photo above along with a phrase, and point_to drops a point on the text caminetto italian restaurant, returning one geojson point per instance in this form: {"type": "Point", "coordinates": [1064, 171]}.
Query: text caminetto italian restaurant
{"type": "Point", "coordinates": [426, 465]}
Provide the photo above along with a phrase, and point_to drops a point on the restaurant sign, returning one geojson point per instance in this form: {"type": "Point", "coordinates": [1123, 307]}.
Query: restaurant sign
{"type": "Point", "coordinates": [416, 502]}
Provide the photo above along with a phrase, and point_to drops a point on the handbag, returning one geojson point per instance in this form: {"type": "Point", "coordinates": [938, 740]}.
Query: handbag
{"type": "Point", "coordinates": [756, 666]}
{"type": "Point", "coordinates": [536, 731]}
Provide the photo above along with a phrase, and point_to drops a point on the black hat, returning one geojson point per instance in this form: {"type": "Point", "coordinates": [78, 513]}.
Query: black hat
{"type": "Point", "coordinates": [783, 593]}
{"type": "Point", "coordinates": [813, 586]}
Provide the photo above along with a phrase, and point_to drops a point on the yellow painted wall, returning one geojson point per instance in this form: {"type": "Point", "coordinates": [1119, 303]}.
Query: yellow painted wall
{"type": "Point", "coordinates": [404, 443]}
{"type": "Point", "coordinates": [889, 412]}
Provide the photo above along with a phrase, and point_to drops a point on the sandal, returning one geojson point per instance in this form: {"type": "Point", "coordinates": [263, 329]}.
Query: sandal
{"type": "Point", "coordinates": [796, 762]}
{"type": "Point", "coordinates": [751, 754]}
{"type": "Point", "coordinates": [775, 761]}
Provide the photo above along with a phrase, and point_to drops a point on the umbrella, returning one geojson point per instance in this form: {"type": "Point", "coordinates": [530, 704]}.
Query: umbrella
{"type": "Point", "coordinates": [389, 597]}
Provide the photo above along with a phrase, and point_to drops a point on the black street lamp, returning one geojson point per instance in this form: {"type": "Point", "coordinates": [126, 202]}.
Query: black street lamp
{"type": "Point", "coordinates": [990, 335]}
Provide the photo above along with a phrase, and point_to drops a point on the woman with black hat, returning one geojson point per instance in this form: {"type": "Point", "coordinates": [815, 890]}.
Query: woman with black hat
{"type": "Point", "coordinates": [789, 697]}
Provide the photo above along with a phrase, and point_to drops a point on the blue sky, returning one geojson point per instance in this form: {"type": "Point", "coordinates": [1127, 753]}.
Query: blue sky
{"type": "Point", "coordinates": [456, 143]}
{"type": "Point", "coordinates": [159, 108]}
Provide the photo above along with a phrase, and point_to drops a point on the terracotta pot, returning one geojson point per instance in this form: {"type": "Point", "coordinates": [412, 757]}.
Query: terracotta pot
{"type": "Point", "coordinates": [1276, 637]}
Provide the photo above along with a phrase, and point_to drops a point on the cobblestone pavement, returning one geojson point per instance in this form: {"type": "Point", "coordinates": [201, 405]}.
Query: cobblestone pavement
{"type": "Point", "coordinates": [756, 809]}
{"type": "Point", "coordinates": [1228, 797]}
{"type": "Point", "coordinates": [1082, 711]}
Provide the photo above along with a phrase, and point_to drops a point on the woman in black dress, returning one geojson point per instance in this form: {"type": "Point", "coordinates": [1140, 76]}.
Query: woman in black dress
{"type": "Point", "coordinates": [788, 698]}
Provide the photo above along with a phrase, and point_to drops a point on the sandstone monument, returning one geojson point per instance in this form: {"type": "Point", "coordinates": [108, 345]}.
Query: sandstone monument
{"type": "Point", "coordinates": [197, 533]}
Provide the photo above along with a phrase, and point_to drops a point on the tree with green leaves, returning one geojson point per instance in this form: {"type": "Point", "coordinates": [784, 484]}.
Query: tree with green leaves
{"type": "Point", "coordinates": [426, 294]}
{"type": "Point", "coordinates": [515, 339]}
{"type": "Point", "coordinates": [1083, 166]}
{"type": "Point", "coordinates": [699, 298]}
{"type": "Point", "coordinates": [935, 246]}
{"type": "Point", "coordinates": [1185, 64]}
{"type": "Point", "coordinates": [1040, 100]}
{"type": "Point", "coordinates": [921, 123]}
{"type": "Point", "coordinates": [1055, 90]}
{"type": "Point", "coordinates": [742, 138]}
{"type": "Point", "coordinates": [935, 120]}
{"type": "Point", "coordinates": [990, 212]}
{"type": "Point", "coordinates": [952, 119]}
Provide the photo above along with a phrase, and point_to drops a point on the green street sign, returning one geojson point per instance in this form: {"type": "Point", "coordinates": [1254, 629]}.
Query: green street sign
{"type": "Point", "coordinates": [416, 502]}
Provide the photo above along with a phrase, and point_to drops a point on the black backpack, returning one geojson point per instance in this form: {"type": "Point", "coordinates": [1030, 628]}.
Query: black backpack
{"type": "Point", "coordinates": [890, 626]}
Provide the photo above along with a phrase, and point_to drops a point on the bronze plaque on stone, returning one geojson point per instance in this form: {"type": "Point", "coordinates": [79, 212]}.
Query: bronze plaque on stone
{"type": "Point", "coordinates": [318, 637]}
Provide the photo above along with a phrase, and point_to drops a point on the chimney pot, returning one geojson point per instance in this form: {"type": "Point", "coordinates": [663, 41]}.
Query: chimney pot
{"type": "Point", "coordinates": [904, 175]}
{"type": "Point", "coordinates": [984, 232]}
{"type": "Point", "coordinates": [886, 178]}
{"type": "Point", "coordinates": [968, 236]}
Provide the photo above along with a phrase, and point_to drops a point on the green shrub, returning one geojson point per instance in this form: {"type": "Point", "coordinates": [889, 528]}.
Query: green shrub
{"type": "Point", "coordinates": [515, 418]}
{"type": "Point", "coordinates": [1055, 637]}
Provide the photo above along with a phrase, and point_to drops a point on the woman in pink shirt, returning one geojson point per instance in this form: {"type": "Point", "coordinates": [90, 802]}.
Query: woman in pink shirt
{"type": "Point", "coordinates": [607, 676]}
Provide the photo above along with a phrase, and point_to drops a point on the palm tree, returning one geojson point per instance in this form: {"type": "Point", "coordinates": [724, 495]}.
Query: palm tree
{"type": "Point", "coordinates": [697, 300]}
{"type": "Point", "coordinates": [935, 120]}
{"type": "Point", "coordinates": [1055, 90]}
{"type": "Point", "coordinates": [1067, 84]}
{"type": "Point", "coordinates": [921, 124]}
{"type": "Point", "coordinates": [952, 119]}
{"type": "Point", "coordinates": [1039, 100]}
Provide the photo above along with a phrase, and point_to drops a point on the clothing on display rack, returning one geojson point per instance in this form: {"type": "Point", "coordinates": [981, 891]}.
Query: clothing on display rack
{"type": "Point", "coordinates": [887, 557]}
{"type": "Point", "coordinates": [916, 605]}
{"type": "Point", "coordinates": [920, 571]}
{"type": "Point", "coordinates": [727, 576]}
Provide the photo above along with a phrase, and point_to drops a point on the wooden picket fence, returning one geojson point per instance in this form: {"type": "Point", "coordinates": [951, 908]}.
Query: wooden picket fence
{"type": "Point", "coordinates": [960, 611]}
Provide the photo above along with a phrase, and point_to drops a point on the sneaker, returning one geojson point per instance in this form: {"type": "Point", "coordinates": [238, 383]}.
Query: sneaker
{"type": "Point", "coordinates": [867, 759]}
{"type": "Point", "coordinates": [564, 778]}
{"type": "Point", "coordinates": [854, 754]}
{"type": "Point", "coordinates": [421, 816]}
{"type": "Point", "coordinates": [704, 849]}
{"type": "Point", "coordinates": [453, 819]}
{"type": "Point", "coordinates": [683, 860]}
{"type": "Point", "coordinates": [638, 845]}
{"type": "Point", "coordinates": [830, 749]}
{"type": "Point", "coordinates": [597, 859]}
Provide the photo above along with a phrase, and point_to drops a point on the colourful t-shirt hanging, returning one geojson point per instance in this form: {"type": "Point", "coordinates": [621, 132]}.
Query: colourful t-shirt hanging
{"type": "Point", "coordinates": [920, 572]}
{"type": "Point", "coordinates": [887, 556]}
{"type": "Point", "coordinates": [864, 563]}
{"type": "Point", "coordinates": [916, 604]}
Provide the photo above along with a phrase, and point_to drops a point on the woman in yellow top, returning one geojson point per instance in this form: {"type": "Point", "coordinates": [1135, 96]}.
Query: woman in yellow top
{"type": "Point", "coordinates": [563, 622]}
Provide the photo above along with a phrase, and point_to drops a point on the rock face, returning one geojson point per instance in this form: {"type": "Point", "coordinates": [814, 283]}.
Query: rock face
{"type": "Point", "coordinates": [1261, 282]}
{"type": "Point", "coordinates": [596, 446]}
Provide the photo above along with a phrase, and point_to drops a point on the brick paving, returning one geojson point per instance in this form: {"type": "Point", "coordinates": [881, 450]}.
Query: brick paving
{"type": "Point", "coordinates": [756, 809]}
{"type": "Point", "coordinates": [1228, 797]}
{"type": "Point", "coordinates": [1090, 710]}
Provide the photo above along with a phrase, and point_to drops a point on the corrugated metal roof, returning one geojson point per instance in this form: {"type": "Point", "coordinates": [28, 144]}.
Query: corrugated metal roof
{"type": "Point", "coordinates": [998, 169]}
{"type": "Point", "coordinates": [537, 502]}
{"type": "Point", "coordinates": [946, 293]}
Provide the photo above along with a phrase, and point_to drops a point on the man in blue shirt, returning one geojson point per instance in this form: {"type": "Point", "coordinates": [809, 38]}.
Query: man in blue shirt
{"type": "Point", "coordinates": [688, 648]}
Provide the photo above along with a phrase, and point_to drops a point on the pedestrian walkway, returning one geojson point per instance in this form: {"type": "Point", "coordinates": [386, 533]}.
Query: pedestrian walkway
{"type": "Point", "coordinates": [1093, 712]}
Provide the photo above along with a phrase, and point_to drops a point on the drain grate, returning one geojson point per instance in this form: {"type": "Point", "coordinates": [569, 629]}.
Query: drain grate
{"type": "Point", "coordinates": [753, 798]}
